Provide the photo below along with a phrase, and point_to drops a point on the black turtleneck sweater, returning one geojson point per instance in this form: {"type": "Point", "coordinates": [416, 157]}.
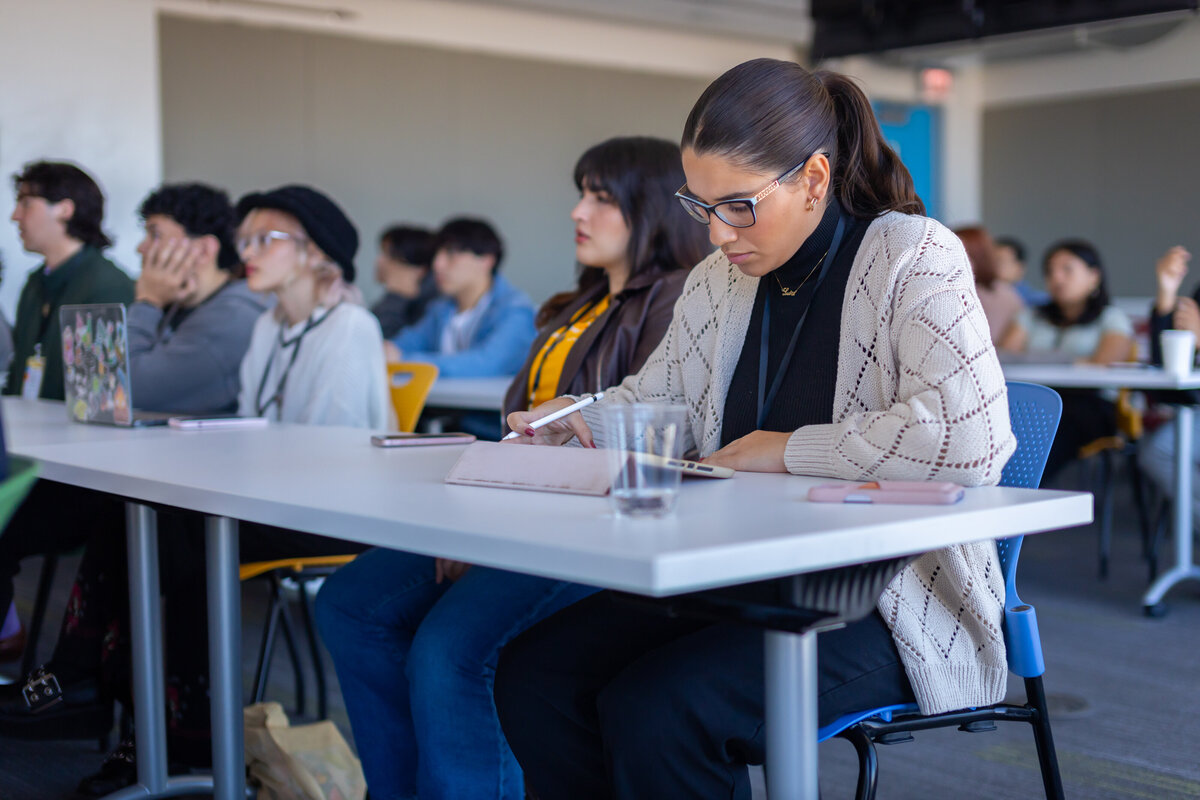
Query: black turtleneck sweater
{"type": "Point", "coordinates": [806, 395]}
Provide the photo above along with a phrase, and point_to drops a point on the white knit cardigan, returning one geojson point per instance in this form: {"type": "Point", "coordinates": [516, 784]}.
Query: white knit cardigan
{"type": "Point", "coordinates": [919, 396]}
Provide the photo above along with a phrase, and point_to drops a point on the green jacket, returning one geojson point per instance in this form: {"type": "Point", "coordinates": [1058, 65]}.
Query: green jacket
{"type": "Point", "coordinates": [86, 277]}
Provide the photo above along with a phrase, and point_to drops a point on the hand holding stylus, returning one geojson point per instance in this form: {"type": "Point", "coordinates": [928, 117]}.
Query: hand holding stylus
{"type": "Point", "coordinates": [520, 425]}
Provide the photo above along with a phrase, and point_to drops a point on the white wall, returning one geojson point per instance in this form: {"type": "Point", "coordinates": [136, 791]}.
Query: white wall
{"type": "Point", "coordinates": [80, 84]}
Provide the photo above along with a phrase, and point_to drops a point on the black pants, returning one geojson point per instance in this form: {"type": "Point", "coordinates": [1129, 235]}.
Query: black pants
{"type": "Point", "coordinates": [55, 518]}
{"type": "Point", "coordinates": [1086, 416]}
{"type": "Point", "coordinates": [608, 700]}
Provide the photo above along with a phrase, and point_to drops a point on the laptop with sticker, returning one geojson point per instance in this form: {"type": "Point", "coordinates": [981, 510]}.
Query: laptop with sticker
{"type": "Point", "coordinates": [96, 379]}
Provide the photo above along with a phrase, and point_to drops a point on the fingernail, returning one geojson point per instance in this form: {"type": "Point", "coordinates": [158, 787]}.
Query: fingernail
{"type": "Point", "coordinates": [529, 431]}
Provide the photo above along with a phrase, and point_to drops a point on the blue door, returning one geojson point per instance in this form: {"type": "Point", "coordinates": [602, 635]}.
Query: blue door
{"type": "Point", "coordinates": [914, 132]}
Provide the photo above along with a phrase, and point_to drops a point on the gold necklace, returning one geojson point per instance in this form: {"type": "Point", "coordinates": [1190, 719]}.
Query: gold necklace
{"type": "Point", "coordinates": [792, 292]}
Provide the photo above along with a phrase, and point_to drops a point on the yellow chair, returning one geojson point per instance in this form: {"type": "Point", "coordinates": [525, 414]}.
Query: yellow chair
{"type": "Point", "coordinates": [300, 570]}
{"type": "Point", "coordinates": [409, 383]}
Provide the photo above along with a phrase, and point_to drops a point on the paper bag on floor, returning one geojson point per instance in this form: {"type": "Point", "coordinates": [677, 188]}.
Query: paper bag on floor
{"type": "Point", "coordinates": [305, 762]}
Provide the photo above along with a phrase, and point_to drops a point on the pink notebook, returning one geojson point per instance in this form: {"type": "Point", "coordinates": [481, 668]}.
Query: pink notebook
{"type": "Point", "coordinates": [567, 470]}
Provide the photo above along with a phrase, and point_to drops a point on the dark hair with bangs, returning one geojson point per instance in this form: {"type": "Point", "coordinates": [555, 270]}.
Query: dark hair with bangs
{"type": "Point", "coordinates": [768, 116]}
{"type": "Point", "coordinates": [410, 245]}
{"type": "Point", "coordinates": [641, 174]}
{"type": "Point", "coordinates": [200, 210]}
{"type": "Point", "coordinates": [54, 181]}
{"type": "Point", "coordinates": [1097, 301]}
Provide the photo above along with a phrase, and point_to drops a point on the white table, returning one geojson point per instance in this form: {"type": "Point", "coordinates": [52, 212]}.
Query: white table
{"type": "Point", "coordinates": [1070, 376]}
{"type": "Point", "coordinates": [469, 394]}
{"type": "Point", "coordinates": [330, 481]}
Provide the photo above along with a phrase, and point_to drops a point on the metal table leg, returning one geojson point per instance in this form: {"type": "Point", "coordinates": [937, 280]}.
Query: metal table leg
{"type": "Point", "coordinates": [149, 710]}
{"type": "Point", "coordinates": [791, 714]}
{"type": "Point", "coordinates": [1185, 568]}
{"type": "Point", "coordinates": [225, 657]}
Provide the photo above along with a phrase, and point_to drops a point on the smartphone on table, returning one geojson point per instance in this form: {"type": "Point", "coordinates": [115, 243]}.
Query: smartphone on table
{"type": "Point", "coordinates": [901, 492]}
{"type": "Point", "coordinates": [420, 439]}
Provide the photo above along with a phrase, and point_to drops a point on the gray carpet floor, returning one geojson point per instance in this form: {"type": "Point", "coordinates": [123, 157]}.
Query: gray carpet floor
{"type": "Point", "coordinates": [1126, 687]}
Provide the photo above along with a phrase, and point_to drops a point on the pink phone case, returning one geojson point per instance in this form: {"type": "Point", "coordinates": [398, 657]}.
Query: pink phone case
{"type": "Point", "coordinates": [904, 492]}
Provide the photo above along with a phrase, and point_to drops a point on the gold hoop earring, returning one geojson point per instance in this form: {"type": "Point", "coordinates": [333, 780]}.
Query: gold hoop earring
{"type": "Point", "coordinates": [812, 203]}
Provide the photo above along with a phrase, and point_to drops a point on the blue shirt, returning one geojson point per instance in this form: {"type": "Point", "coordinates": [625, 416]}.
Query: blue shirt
{"type": "Point", "coordinates": [1031, 296]}
{"type": "Point", "coordinates": [498, 344]}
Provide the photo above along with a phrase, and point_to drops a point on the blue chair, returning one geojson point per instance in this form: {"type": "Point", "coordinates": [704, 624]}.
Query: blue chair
{"type": "Point", "coordinates": [1035, 411]}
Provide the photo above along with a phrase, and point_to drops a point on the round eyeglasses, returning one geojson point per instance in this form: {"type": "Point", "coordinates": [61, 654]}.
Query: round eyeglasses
{"type": "Point", "coordinates": [737, 212]}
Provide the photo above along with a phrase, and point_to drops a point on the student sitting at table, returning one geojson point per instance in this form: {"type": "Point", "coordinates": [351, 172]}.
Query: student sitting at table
{"type": "Point", "coordinates": [878, 365]}
{"type": "Point", "coordinates": [1010, 267]}
{"type": "Point", "coordinates": [188, 331]}
{"type": "Point", "coordinates": [1156, 452]}
{"type": "Point", "coordinates": [317, 358]}
{"type": "Point", "coordinates": [1080, 324]}
{"type": "Point", "coordinates": [1000, 301]}
{"type": "Point", "coordinates": [415, 639]}
{"type": "Point", "coordinates": [402, 268]}
{"type": "Point", "coordinates": [483, 325]}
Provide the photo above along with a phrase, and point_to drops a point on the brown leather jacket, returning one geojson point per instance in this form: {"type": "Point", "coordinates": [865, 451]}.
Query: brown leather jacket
{"type": "Point", "coordinates": [615, 345]}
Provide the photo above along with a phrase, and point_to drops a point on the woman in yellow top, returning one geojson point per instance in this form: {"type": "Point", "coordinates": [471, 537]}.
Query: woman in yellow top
{"type": "Point", "coordinates": [634, 253]}
{"type": "Point", "coordinates": [415, 639]}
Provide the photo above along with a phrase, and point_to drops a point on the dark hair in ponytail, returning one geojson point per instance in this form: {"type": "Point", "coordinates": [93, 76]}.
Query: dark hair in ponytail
{"type": "Point", "coordinates": [768, 116]}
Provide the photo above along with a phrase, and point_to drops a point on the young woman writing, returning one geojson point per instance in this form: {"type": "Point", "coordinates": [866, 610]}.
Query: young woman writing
{"type": "Point", "coordinates": [836, 333]}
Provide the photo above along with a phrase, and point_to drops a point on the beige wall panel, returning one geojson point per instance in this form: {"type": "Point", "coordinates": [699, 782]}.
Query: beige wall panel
{"type": "Point", "coordinates": [403, 133]}
{"type": "Point", "coordinates": [1120, 170]}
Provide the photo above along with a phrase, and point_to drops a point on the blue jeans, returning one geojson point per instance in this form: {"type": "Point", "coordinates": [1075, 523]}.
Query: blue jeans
{"type": "Point", "coordinates": [416, 662]}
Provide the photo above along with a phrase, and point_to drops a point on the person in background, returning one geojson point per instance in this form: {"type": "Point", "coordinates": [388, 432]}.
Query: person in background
{"type": "Point", "coordinates": [190, 324]}
{"type": "Point", "coordinates": [861, 313]}
{"type": "Point", "coordinates": [999, 299]}
{"type": "Point", "coordinates": [483, 325]}
{"type": "Point", "coordinates": [188, 331]}
{"type": "Point", "coordinates": [1080, 324]}
{"type": "Point", "coordinates": [317, 357]}
{"type": "Point", "coordinates": [1010, 268]}
{"type": "Point", "coordinates": [1156, 452]}
{"type": "Point", "coordinates": [402, 268]}
{"type": "Point", "coordinates": [415, 639]}
{"type": "Point", "coordinates": [59, 214]}
{"type": "Point", "coordinates": [6, 340]}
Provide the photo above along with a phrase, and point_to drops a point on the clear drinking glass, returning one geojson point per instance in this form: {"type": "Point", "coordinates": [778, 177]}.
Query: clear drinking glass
{"type": "Point", "coordinates": [640, 438]}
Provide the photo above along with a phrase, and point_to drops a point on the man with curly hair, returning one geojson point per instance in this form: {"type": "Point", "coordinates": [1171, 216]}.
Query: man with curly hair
{"type": "Point", "coordinates": [192, 319]}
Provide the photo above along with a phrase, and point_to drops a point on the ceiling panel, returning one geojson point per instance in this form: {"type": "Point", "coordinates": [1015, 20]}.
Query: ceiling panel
{"type": "Point", "coordinates": [775, 20]}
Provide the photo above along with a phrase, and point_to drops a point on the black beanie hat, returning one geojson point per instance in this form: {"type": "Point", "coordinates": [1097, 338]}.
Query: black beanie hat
{"type": "Point", "coordinates": [324, 222]}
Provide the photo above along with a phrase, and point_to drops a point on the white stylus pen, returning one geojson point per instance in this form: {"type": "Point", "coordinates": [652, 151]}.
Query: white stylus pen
{"type": "Point", "coordinates": [587, 400]}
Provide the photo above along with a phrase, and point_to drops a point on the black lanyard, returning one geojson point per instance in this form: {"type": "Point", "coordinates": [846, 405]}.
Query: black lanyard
{"type": "Point", "coordinates": [767, 398]}
{"type": "Point", "coordinates": [277, 398]}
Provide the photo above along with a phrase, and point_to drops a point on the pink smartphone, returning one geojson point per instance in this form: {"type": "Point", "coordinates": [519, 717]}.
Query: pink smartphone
{"type": "Point", "coordinates": [420, 439]}
{"type": "Point", "coordinates": [906, 492]}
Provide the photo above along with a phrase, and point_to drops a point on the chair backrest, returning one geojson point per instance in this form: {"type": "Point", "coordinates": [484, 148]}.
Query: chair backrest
{"type": "Point", "coordinates": [1034, 411]}
{"type": "Point", "coordinates": [409, 383]}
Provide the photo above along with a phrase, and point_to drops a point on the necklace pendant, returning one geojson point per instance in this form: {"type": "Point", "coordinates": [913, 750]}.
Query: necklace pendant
{"type": "Point", "coordinates": [789, 292]}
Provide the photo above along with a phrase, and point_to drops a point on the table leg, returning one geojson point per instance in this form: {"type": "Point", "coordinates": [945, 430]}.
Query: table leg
{"type": "Point", "coordinates": [149, 696]}
{"type": "Point", "coordinates": [791, 714]}
{"type": "Point", "coordinates": [145, 616]}
{"type": "Point", "coordinates": [225, 657]}
{"type": "Point", "coordinates": [1184, 568]}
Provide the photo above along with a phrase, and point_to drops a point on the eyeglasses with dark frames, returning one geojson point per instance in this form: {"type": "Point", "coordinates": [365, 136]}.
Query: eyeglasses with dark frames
{"type": "Point", "coordinates": [738, 212]}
